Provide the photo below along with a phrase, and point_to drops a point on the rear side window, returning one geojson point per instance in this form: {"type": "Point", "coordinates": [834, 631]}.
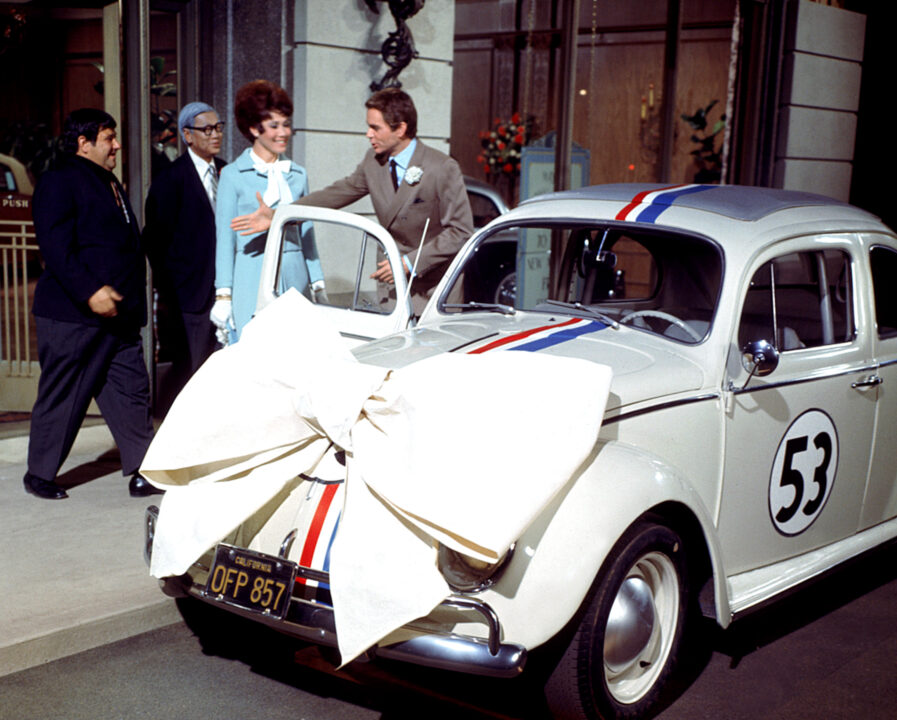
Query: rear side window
{"type": "Point", "coordinates": [7, 179]}
{"type": "Point", "coordinates": [800, 300]}
{"type": "Point", "coordinates": [483, 209]}
{"type": "Point", "coordinates": [884, 284]}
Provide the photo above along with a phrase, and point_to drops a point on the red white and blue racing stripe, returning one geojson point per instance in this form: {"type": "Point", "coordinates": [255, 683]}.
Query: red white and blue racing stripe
{"type": "Point", "coordinates": [647, 206]}
{"type": "Point", "coordinates": [317, 526]}
{"type": "Point", "coordinates": [542, 337]}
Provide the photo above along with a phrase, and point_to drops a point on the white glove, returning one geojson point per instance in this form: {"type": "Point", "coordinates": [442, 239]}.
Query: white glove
{"type": "Point", "coordinates": [222, 336]}
{"type": "Point", "coordinates": [319, 292]}
{"type": "Point", "coordinates": [222, 317]}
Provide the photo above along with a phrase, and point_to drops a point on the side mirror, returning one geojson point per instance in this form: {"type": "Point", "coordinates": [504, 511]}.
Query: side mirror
{"type": "Point", "coordinates": [760, 358]}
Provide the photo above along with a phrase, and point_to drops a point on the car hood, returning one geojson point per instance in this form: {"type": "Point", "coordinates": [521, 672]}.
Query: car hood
{"type": "Point", "coordinates": [644, 366]}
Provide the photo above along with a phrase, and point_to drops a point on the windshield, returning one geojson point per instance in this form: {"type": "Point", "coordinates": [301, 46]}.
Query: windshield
{"type": "Point", "coordinates": [653, 280]}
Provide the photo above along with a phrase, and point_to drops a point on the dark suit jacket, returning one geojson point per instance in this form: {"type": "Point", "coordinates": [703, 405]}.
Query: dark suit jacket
{"type": "Point", "coordinates": [179, 236]}
{"type": "Point", "coordinates": [86, 243]}
{"type": "Point", "coordinates": [439, 195]}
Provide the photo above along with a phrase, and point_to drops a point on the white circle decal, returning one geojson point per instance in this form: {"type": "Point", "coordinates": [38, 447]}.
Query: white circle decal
{"type": "Point", "coordinates": [803, 472]}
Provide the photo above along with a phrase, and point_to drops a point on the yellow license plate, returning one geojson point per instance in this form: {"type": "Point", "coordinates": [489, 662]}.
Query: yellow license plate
{"type": "Point", "coordinates": [251, 580]}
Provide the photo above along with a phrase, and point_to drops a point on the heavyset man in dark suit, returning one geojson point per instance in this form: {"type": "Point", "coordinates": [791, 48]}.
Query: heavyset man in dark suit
{"type": "Point", "coordinates": [179, 234]}
{"type": "Point", "coordinates": [89, 306]}
{"type": "Point", "coordinates": [408, 182]}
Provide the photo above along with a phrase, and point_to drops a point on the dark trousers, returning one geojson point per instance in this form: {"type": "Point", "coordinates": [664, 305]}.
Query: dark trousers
{"type": "Point", "coordinates": [80, 362]}
{"type": "Point", "coordinates": [189, 340]}
{"type": "Point", "coordinates": [201, 341]}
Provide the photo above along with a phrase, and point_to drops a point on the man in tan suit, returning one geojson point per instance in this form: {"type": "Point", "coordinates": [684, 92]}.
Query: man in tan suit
{"type": "Point", "coordinates": [408, 182]}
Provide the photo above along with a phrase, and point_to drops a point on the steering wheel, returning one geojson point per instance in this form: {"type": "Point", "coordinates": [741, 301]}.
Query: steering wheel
{"type": "Point", "coordinates": [660, 314]}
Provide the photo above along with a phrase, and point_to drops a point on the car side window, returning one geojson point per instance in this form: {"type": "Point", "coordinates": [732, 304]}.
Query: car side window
{"type": "Point", "coordinates": [884, 284]}
{"type": "Point", "coordinates": [346, 257]}
{"type": "Point", "coordinates": [483, 209]}
{"type": "Point", "coordinates": [800, 300]}
{"type": "Point", "coordinates": [7, 179]}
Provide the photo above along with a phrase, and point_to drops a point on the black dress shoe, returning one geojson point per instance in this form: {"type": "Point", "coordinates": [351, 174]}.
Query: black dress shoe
{"type": "Point", "coordinates": [140, 487]}
{"type": "Point", "coordinates": [46, 489]}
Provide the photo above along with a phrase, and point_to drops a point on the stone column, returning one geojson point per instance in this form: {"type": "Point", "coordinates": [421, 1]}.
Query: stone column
{"type": "Point", "coordinates": [335, 55]}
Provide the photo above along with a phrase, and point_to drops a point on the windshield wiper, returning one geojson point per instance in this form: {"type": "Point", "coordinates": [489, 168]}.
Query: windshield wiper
{"type": "Point", "coordinates": [490, 307]}
{"type": "Point", "coordinates": [606, 319]}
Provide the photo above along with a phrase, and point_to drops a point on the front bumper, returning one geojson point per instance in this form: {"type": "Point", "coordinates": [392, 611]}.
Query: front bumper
{"type": "Point", "coordinates": [422, 643]}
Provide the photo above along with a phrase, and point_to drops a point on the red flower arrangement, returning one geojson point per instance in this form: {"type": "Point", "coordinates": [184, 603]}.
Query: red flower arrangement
{"type": "Point", "coordinates": [501, 146]}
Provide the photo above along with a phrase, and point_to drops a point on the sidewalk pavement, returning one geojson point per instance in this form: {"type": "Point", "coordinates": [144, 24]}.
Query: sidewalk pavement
{"type": "Point", "coordinates": [72, 574]}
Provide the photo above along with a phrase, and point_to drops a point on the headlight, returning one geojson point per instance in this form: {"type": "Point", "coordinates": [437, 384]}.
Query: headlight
{"type": "Point", "coordinates": [468, 574]}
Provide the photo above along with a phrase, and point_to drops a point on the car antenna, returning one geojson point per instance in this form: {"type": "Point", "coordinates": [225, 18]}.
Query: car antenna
{"type": "Point", "coordinates": [423, 236]}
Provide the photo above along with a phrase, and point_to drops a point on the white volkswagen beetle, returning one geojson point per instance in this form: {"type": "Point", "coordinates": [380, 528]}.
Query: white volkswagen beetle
{"type": "Point", "coordinates": [746, 445]}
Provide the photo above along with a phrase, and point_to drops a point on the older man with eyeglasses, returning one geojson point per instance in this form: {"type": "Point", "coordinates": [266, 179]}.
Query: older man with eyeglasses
{"type": "Point", "coordinates": [179, 236]}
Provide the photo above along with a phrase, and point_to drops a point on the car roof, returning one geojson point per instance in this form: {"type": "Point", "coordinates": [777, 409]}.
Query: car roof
{"type": "Point", "coordinates": [645, 201]}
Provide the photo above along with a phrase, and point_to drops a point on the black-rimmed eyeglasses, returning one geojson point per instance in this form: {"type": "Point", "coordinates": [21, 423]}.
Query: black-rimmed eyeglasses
{"type": "Point", "coordinates": [207, 130]}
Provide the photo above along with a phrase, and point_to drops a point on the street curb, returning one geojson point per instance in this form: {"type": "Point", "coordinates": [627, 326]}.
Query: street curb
{"type": "Point", "coordinates": [86, 636]}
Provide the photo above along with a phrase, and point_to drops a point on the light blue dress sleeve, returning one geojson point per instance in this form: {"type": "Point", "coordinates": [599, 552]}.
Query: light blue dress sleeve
{"type": "Point", "coordinates": [225, 238]}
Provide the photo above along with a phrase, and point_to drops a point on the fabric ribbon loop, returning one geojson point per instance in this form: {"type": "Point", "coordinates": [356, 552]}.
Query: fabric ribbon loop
{"type": "Point", "coordinates": [278, 191]}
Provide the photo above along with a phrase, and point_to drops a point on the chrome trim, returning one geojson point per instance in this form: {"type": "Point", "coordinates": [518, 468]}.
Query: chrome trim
{"type": "Point", "coordinates": [450, 652]}
{"type": "Point", "coordinates": [870, 381]}
{"type": "Point", "coordinates": [472, 342]}
{"type": "Point", "coordinates": [659, 406]}
{"type": "Point", "coordinates": [353, 336]}
{"type": "Point", "coordinates": [288, 543]}
{"type": "Point", "coordinates": [314, 622]}
{"type": "Point", "coordinates": [321, 481]}
{"type": "Point", "coordinates": [150, 518]}
{"type": "Point", "coordinates": [486, 611]}
{"type": "Point", "coordinates": [498, 569]}
{"type": "Point", "coordinates": [799, 381]}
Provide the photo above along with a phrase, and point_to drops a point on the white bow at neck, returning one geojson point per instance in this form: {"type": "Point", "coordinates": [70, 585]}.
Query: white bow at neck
{"type": "Point", "coordinates": [278, 191]}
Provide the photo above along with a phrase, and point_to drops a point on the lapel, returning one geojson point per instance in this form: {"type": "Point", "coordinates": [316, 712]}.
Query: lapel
{"type": "Point", "coordinates": [406, 193]}
{"type": "Point", "coordinates": [102, 180]}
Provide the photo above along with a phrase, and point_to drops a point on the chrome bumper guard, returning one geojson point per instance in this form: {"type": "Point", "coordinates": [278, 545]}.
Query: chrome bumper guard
{"type": "Point", "coordinates": [313, 622]}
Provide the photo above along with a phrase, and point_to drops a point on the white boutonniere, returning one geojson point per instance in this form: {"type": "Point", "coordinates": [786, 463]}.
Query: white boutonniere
{"type": "Point", "coordinates": [413, 175]}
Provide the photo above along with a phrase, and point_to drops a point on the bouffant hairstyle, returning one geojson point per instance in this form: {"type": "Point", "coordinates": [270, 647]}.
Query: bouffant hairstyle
{"type": "Point", "coordinates": [256, 101]}
{"type": "Point", "coordinates": [87, 122]}
{"type": "Point", "coordinates": [396, 107]}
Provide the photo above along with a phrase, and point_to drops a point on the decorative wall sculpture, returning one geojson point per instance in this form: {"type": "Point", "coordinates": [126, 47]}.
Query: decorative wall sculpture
{"type": "Point", "coordinates": [398, 49]}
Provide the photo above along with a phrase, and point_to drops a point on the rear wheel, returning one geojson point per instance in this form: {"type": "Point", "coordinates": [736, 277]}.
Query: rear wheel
{"type": "Point", "coordinates": [627, 645]}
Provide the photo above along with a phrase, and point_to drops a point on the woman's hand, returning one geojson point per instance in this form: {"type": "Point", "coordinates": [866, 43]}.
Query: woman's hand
{"type": "Point", "coordinates": [256, 222]}
{"type": "Point", "coordinates": [222, 316]}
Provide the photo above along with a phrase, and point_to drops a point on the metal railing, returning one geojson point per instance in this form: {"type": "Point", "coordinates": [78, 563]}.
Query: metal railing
{"type": "Point", "coordinates": [19, 259]}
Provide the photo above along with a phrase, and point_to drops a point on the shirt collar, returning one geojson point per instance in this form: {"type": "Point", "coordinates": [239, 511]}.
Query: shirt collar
{"type": "Point", "coordinates": [404, 157]}
{"type": "Point", "coordinates": [201, 165]}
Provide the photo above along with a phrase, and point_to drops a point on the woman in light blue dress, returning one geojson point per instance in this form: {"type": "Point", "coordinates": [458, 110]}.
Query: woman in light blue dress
{"type": "Point", "coordinates": [263, 112]}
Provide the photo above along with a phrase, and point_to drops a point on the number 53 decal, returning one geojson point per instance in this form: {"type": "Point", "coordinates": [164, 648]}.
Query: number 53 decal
{"type": "Point", "coordinates": [803, 472]}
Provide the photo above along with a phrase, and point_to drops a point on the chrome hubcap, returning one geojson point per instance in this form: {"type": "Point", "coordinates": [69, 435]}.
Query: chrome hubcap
{"type": "Point", "coordinates": [629, 626]}
{"type": "Point", "coordinates": [640, 627]}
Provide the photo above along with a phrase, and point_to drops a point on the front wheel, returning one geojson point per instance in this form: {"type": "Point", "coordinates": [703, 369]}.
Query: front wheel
{"type": "Point", "coordinates": [626, 647]}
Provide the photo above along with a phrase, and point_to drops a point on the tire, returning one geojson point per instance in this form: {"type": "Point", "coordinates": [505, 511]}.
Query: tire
{"type": "Point", "coordinates": [618, 669]}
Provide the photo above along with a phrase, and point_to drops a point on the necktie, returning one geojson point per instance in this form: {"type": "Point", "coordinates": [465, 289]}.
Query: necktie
{"type": "Point", "coordinates": [212, 184]}
{"type": "Point", "coordinates": [393, 175]}
{"type": "Point", "coordinates": [119, 201]}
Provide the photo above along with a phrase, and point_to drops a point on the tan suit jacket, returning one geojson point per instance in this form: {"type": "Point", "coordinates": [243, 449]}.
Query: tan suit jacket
{"type": "Point", "coordinates": [439, 195]}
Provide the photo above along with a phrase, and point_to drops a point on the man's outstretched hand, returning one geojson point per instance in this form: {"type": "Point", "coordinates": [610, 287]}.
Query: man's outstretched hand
{"type": "Point", "coordinates": [383, 273]}
{"type": "Point", "coordinates": [256, 221]}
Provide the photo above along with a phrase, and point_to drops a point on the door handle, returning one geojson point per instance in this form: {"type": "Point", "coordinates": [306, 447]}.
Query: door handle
{"type": "Point", "coordinates": [870, 381]}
